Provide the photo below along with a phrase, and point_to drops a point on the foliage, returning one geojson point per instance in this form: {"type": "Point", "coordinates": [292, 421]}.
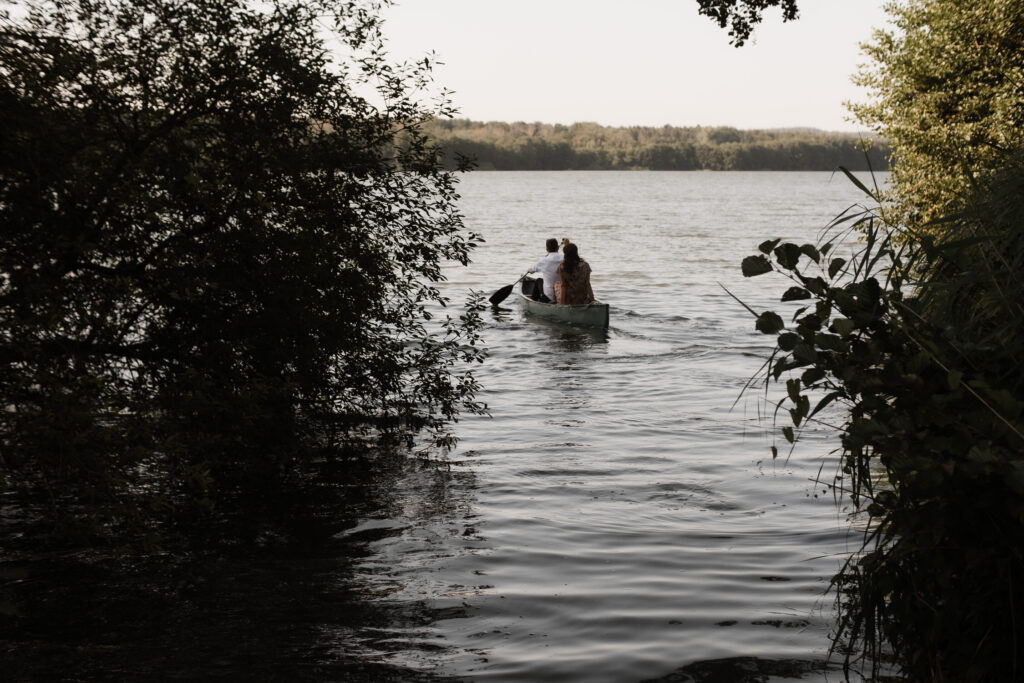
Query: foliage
{"type": "Point", "coordinates": [922, 340]}
{"type": "Point", "coordinates": [218, 262]}
{"type": "Point", "coordinates": [946, 94]}
{"type": "Point", "coordinates": [741, 16]}
{"type": "Point", "coordinates": [919, 338]}
{"type": "Point", "coordinates": [589, 146]}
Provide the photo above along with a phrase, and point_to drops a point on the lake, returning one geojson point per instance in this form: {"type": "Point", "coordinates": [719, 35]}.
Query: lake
{"type": "Point", "coordinates": [618, 517]}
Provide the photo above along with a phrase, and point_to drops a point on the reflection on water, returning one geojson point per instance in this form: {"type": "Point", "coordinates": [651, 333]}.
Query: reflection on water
{"type": "Point", "coordinates": [570, 339]}
{"type": "Point", "coordinates": [746, 670]}
{"type": "Point", "coordinates": [501, 314]}
{"type": "Point", "coordinates": [306, 600]}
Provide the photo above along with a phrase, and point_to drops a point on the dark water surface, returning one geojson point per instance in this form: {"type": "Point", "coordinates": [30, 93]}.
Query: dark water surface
{"type": "Point", "coordinates": [617, 518]}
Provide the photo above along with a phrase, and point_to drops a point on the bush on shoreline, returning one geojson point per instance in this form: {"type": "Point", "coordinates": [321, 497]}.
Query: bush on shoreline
{"type": "Point", "coordinates": [920, 340]}
{"type": "Point", "coordinates": [920, 336]}
{"type": "Point", "coordinates": [218, 266]}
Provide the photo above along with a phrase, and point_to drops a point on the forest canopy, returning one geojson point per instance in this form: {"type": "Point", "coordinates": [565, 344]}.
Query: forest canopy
{"type": "Point", "coordinates": [589, 146]}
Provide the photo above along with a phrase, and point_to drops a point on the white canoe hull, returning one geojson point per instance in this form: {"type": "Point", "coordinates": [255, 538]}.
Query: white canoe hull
{"type": "Point", "coordinates": [588, 315]}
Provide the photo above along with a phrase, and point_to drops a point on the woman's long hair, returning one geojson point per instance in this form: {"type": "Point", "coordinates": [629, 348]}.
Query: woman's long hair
{"type": "Point", "coordinates": [570, 257]}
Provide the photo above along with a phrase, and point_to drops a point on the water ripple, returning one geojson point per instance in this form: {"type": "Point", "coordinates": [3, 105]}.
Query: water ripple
{"type": "Point", "coordinates": [623, 519]}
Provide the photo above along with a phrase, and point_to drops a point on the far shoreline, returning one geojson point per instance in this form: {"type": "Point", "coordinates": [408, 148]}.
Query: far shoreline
{"type": "Point", "coordinates": [499, 146]}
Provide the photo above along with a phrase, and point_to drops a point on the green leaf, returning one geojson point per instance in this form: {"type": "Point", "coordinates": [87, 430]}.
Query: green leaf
{"type": "Point", "coordinates": [753, 266]}
{"type": "Point", "coordinates": [804, 352]}
{"type": "Point", "coordinates": [767, 246]}
{"type": "Point", "coordinates": [844, 327]}
{"type": "Point", "coordinates": [831, 342]}
{"type": "Point", "coordinates": [788, 255]}
{"type": "Point", "coordinates": [788, 433]}
{"type": "Point", "coordinates": [812, 375]}
{"type": "Point", "coordinates": [811, 252]}
{"type": "Point", "coordinates": [815, 285]}
{"type": "Point", "coordinates": [835, 266]}
{"type": "Point", "coordinates": [796, 416]}
{"type": "Point", "coordinates": [793, 390]}
{"type": "Point", "coordinates": [810, 322]}
{"type": "Point", "coordinates": [981, 453]}
{"type": "Point", "coordinates": [825, 401]}
{"type": "Point", "coordinates": [795, 294]}
{"type": "Point", "coordinates": [769, 323]}
{"type": "Point", "coordinates": [788, 340]}
{"type": "Point", "coordinates": [823, 309]}
{"type": "Point", "coordinates": [1008, 406]}
{"type": "Point", "coordinates": [784, 364]}
{"type": "Point", "coordinates": [803, 406]}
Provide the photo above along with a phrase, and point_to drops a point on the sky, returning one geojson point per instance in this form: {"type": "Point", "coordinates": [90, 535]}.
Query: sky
{"type": "Point", "coordinates": [642, 62]}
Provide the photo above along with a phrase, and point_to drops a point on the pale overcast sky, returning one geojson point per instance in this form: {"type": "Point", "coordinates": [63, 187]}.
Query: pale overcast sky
{"type": "Point", "coordinates": [642, 62]}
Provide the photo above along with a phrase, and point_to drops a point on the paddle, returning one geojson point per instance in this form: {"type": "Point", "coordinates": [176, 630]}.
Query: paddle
{"type": "Point", "coordinates": [503, 293]}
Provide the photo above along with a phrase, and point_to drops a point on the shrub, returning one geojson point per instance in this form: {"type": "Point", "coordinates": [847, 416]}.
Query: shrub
{"type": "Point", "coordinates": [219, 253]}
{"type": "Point", "coordinates": [921, 339]}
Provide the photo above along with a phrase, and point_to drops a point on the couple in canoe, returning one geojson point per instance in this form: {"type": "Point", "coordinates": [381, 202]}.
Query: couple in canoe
{"type": "Point", "coordinates": [566, 276]}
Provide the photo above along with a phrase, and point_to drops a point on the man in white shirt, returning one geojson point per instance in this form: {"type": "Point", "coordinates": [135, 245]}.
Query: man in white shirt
{"type": "Point", "coordinates": [548, 268]}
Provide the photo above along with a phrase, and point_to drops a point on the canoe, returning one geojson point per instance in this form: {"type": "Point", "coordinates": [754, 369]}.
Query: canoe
{"type": "Point", "coordinates": [588, 315]}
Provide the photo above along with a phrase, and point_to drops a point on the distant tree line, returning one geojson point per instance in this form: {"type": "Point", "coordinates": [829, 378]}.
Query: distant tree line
{"type": "Point", "coordinates": [590, 146]}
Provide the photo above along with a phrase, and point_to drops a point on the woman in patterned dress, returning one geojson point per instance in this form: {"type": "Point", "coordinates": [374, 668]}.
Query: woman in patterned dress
{"type": "Point", "coordinates": [574, 277]}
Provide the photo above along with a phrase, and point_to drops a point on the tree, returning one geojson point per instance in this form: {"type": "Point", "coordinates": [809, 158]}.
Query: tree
{"type": "Point", "coordinates": [741, 16]}
{"type": "Point", "coordinates": [219, 253]}
{"type": "Point", "coordinates": [946, 95]}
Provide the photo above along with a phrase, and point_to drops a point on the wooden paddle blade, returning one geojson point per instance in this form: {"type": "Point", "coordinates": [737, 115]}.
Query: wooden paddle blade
{"type": "Point", "coordinates": [501, 295]}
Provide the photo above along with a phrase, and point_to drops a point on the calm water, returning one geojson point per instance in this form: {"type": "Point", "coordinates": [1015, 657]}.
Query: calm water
{"type": "Point", "coordinates": [618, 517]}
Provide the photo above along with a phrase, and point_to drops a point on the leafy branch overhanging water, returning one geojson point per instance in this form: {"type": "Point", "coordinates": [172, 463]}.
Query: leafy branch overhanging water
{"type": "Point", "coordinates": [918, 337]}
